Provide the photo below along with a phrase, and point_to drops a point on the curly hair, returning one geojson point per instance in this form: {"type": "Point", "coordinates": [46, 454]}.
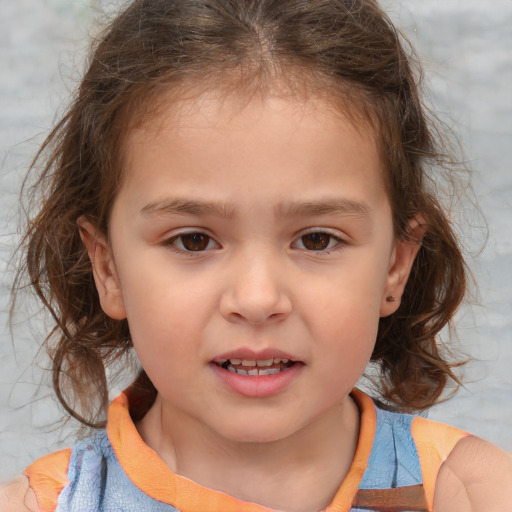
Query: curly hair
{"type": "Point", "coordinates": [345, 50]}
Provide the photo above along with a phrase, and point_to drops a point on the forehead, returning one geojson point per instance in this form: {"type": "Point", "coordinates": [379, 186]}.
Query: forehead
{"type": "Point", "coordinates": [217, 107]}
{"type": "Point", "coordinates": [215, 136]}
{"type": "Point", "coordinates": [232, 92]}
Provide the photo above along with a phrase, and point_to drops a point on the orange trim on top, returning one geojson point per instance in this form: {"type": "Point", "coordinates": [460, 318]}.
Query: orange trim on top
{"type": "Point", "coordinates": [344, 498]}
{"type": "Point", "coordinates": [434, 442]}
{"type": "Point", "coordinates": [48, 476]}
{"type": "Point", "coordinates": [150, 474]}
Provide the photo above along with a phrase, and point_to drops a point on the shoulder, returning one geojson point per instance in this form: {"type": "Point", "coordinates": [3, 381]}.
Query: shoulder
{"type": "Point", "coordinates": [476, 476]}
{"type": "Point", "coordinates": [17, 496]}
{"type": "Point", "coordinates": [48, 476]}
{"type": "Point", "coordinates": [38, 487]}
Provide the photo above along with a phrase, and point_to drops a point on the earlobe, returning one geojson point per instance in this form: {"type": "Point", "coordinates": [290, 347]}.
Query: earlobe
{"type": "Point", "coordinates": [103, 268]}
{"type": "Point", "coordinates": [402, 261]}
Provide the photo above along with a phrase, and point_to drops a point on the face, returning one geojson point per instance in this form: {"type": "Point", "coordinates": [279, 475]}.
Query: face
{"type": "Point", "coordinates": [251, 249]}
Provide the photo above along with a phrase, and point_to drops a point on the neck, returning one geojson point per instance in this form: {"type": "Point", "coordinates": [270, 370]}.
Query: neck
{"type": "Point", "coordinates": [299, 473]}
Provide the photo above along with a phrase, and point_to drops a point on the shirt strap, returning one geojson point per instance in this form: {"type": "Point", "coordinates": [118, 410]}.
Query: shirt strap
{"type": "Point", "coordinates": [434, 442]}
{"type": "Point", "coordinates": [48, 476]}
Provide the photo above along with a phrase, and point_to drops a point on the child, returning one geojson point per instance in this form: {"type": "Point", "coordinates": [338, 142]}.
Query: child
{"type": "Point", "coordinates": [240, 192]}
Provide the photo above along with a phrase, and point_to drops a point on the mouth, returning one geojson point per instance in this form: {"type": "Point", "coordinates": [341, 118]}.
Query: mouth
{"type": "Point", "coordinates": [257, 374]}
{"type": "Point", "coordinates": [256, 367]}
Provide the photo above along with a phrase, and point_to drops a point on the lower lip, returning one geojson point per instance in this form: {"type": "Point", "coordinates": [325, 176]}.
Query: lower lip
{"type": "Point", "coordinates": [258, 386]}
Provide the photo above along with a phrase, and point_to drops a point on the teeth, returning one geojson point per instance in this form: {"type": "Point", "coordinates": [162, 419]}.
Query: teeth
{"type": "Point", "coordinates": [253, 372]}
{"type": "Point", "coordinates": [254, 362]}
{"type": "Point", "coordinates": [269, 371]}
{"type": "Point", "coordinates": [253, 366]}
{"type": "Point", "coordinates": [266, 362]}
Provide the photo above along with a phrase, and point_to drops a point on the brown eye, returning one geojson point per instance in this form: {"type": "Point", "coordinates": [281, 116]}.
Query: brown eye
{"type": "Point", "coordinates": [316, 241]}
{"type": "Point", "coordinates": [193, 241]}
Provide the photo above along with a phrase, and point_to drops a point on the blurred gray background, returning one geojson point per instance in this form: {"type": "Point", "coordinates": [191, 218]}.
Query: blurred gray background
{"type": "Point", "coordinates": [466, 48]}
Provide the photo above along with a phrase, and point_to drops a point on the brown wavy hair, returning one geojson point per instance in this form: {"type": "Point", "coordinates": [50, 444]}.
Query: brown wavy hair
{"type": "Point", "coordinates": [345, 50]}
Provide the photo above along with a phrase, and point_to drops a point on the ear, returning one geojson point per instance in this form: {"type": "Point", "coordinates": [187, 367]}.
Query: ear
{"type": "Point", "coordinates": [103, 269]}
{"type": "Point", "coordinates": [401, 264]}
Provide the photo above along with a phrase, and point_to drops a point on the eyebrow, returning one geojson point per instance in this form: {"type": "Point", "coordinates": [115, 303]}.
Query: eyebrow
{"type": "Point", "coordinates": [331, 206]}
{"type": "Point", "coordinates": [188, 207]}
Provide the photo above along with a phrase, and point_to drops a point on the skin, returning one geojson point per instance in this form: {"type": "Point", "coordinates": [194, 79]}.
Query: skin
{"type": "Point", "coordinates": [285, 200]}
{"type": "Point", "coordinates": [263, 175]}
{"type": "Point", "coordinates": [255, 286]}
{"type": "Point", "coordinates": [476, 477]}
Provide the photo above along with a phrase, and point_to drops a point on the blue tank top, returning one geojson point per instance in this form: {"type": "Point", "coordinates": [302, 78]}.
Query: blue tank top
{"type": "Point", "coordinates": [107, 473]}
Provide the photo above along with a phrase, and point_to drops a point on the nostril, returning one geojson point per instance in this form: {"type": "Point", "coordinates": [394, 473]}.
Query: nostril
{"type": "Point", "coordinates": [255, 305]}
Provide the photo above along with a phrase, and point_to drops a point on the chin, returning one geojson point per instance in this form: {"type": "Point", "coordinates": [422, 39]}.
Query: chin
{"type": "Point", "coordinates": [255, 432]}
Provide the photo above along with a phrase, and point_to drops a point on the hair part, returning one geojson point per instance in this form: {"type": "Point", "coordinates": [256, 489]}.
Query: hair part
{"type": "Point", "coordinates": [344, 51]}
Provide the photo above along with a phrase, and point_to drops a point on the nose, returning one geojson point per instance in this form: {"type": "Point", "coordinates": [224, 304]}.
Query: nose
{"type": "Point", "coordinates": [255, 291]}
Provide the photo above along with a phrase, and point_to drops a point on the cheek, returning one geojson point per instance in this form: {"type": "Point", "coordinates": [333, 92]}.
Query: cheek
{"type": "Point", "coordinates": [351, 335]}
{"type": "Point", "coordinates": [155, 289]}
{"type": "Point", "coordinates": [350, 297]}
{"type": "Point", "coordinates": [345, 314]}
{"type": "Point", "coordinates": [167, 312]}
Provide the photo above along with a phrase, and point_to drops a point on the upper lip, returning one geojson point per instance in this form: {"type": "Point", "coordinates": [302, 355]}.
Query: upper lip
{"type": "Point", "coordinates": [256, 355]}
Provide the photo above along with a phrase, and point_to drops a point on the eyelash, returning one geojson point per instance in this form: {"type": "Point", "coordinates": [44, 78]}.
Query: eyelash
{"type": "Point", "coordinates": [339, 243]}
{"type": "Point", "coordinates": [172, 242]}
